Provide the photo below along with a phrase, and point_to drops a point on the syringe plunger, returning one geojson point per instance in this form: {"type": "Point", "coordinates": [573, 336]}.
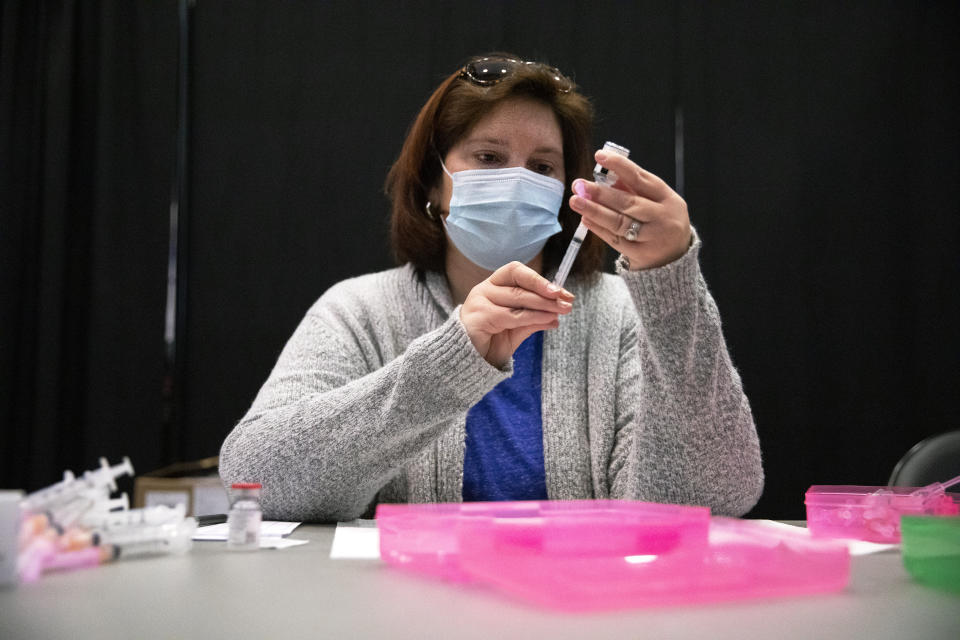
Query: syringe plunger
{"type": "Point", "coordinates": [107, 475]}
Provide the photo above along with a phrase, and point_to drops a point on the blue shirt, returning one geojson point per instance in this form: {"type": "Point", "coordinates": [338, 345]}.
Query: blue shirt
{"type": "Point", "coordinates": [504, 448]}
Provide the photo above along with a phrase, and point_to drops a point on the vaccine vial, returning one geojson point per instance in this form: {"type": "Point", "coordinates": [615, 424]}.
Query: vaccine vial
{"type": "Point", "coordinates": [602, 175]}
{"type": "Point", "coordinates": [243, 522]}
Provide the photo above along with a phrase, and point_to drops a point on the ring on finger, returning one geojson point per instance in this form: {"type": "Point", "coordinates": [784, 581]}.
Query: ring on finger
{"type": "Point", "coordinates": [632, 231]}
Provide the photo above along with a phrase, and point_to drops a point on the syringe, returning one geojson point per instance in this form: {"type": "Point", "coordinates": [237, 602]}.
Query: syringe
{"type": "Point", "coordinates": [39, 500]}
{"type": "Point", "coordinates": [935, 490]}
{"type": "Point", "coordinates": [62, 514]}
{"type": "Point", "coordinates": [601, 175]}
{"type": "Point", "coordinates": [145, 516]}
{"type": "Point", "coordinates": [107, 475]}
{"type": "Point", "coordinates": [96, 526]}
{"type": "Point", "coordinates": [139, 541]}
{"type": "Point", "coordinates": [171, 537]}
{"type": "Point", "coordinates": [71, 486]}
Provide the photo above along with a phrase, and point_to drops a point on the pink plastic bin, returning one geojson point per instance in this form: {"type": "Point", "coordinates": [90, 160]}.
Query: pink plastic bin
{"type": "Point", "coordinates": [594, 555]}
{"type": "Point", "coordinates": [870, 513]}
{"type": "Point", "coordinates": [427, 538]}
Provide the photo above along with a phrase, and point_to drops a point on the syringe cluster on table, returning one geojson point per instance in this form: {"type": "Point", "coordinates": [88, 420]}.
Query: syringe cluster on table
{"type": "Point", "coordinates": [75, 523]}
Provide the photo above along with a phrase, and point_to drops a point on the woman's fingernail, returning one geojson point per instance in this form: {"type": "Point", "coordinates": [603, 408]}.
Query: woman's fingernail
{"type": "Point", "coordinates": [579, 188]}
{"type": "Point", "coordinates": [552, 288]}
{"type": "Point", "coordinates": [564, 304]}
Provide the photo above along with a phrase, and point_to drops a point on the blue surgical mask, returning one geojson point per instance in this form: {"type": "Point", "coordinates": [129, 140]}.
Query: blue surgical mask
{"type": "Point", "coordinates": [499, 215]}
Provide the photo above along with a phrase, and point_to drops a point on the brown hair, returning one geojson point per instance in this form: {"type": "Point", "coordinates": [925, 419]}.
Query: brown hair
{"type": "Point", "coordinates": [450, 113]}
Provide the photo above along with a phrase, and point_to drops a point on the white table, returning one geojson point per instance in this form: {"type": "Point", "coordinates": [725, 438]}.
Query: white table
{"type": "Point", "coordinates": [300, 592]}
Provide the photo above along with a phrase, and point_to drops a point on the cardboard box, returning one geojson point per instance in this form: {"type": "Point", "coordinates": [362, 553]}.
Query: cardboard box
{"type": "Point", "coordinates": [192, 484]}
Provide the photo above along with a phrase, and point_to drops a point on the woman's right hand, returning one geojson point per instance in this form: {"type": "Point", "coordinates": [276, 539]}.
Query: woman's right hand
{"type": "Point", "coordinates": [506, 308]}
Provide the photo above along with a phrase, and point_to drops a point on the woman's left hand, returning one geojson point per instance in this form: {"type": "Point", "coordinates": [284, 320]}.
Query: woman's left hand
{"type": "Point", "coordinates": [641, 216]}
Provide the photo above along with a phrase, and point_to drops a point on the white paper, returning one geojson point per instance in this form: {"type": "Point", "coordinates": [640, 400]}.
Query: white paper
{"type": "Point", "coordinates": [856, 547]}
{"type": "Point", "coordinates": [268, 529]}
{"type": "Point", "coordinates": [356, 539]}
{"type": "Point", "coordinates": [274, 542]}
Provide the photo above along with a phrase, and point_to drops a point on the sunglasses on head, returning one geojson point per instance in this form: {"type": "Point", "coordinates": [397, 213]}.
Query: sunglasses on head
{"type": "Point", "coordinates": [488, 71]}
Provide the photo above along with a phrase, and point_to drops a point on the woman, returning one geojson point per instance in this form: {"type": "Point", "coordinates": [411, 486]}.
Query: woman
{"type": "Point", "coordinates": [464, 374]}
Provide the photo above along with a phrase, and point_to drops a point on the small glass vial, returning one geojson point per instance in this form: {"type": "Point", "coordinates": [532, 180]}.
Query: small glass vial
{"type": "Point", "coordinates": [243, 522]}
{"type": "Point", "coordinates": [602, 175]}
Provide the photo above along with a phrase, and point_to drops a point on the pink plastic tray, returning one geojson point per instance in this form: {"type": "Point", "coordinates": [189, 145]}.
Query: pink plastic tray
{"type": "Point", "coordinates": [427, 538]}
{"type": "Point", "coordinates": [871, 513]}
{"type": "Point", "coordinates": [593, 555]}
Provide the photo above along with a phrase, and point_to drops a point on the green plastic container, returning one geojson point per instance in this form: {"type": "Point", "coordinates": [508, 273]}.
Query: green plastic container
{"type": "Point", "coordinates": [931, 550]}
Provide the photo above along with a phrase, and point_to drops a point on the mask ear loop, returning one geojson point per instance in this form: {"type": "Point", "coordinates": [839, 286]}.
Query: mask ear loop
{"type": "Point", "coordinates": [435, 216]}
{"type": "Point", "coordinates": [444, 167]}
{"type": "Point", "coordinates": [430, 214]}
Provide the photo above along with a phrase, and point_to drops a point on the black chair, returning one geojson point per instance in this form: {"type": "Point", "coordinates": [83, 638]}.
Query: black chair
{"type": "Point", "coordinates": [935, 459]}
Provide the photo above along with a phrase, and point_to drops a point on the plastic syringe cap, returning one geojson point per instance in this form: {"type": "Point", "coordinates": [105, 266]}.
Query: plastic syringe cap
{"type": "Point", "coordinates": [246, 485]}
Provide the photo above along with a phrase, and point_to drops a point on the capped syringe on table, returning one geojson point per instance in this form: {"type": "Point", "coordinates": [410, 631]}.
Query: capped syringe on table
{"type": "Point", "coordinates": [601, 175]}
{"type": "Point", "coordinates": [72, 487]}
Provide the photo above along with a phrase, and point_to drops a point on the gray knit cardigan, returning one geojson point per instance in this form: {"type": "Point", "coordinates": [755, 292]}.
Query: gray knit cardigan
{"type": "Point", "coordinates": [368, 400]}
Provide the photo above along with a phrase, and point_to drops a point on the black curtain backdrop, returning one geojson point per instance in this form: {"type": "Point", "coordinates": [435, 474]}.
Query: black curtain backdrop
{"type": "Point", "coordinates": [86, 129]}
{"type": "Point", "coordinates": [820, 165]}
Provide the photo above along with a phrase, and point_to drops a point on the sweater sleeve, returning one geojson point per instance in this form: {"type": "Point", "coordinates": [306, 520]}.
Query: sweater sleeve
{"type": "Point", "coordinates": [685, 431]}
{"type": "Point", "coordinates": [331, 426]}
